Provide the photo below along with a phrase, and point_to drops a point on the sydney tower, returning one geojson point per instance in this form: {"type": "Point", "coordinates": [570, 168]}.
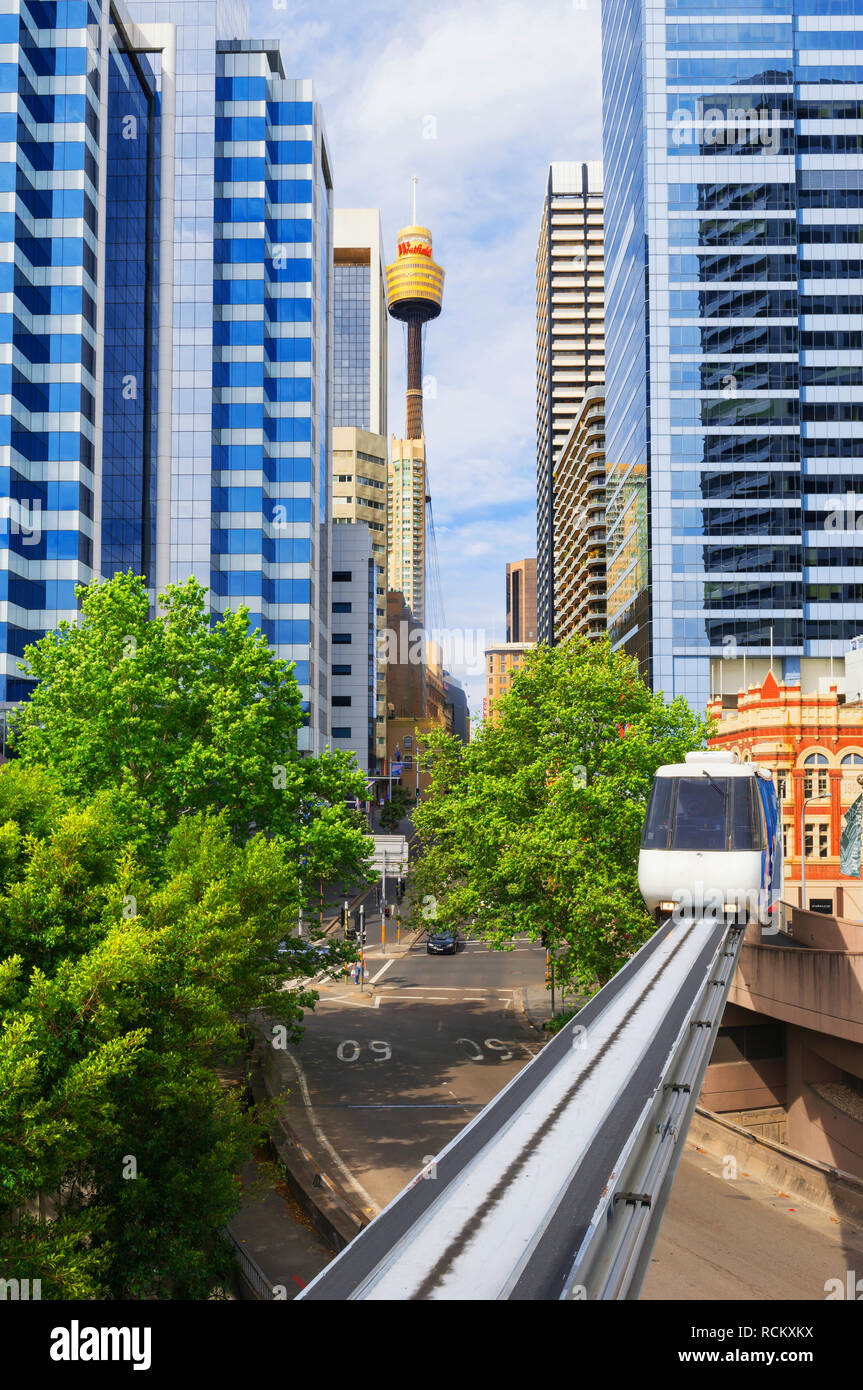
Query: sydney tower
{"type": "Point", "coordinates": [414, 294]}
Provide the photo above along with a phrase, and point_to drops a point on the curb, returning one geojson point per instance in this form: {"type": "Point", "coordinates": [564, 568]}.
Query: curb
{"type": "Point", "coordinates": [330, 1210]}
{"type": "Point", "coordinates": [806, 1179]}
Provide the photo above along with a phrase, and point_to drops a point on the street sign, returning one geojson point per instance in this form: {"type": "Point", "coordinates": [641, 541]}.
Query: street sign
{"type": "Point", "coordinates": [391, 852]}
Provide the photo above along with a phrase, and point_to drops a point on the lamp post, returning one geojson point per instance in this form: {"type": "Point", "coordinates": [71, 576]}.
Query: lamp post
{"type": "Point", "coordinates": [803, 842]}
{"type": "Point", "coordinates": [803, 850]}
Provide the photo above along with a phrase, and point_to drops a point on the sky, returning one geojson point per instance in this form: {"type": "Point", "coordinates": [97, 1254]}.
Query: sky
{"type": "Point", "coordinates": [476, 99]}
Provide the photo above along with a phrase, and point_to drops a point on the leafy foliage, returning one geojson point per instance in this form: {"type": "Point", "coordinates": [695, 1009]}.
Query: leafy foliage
{"type": "Point", "coordinates": [181, 715]}
{"type": "Point", "coordinates": [116, 994]}
{"type": "Point", "coordinates": [159, 833]}
{"type": "Point", "coordinates": [396, 808]}
{"type": "Point", "coordinates": [533, 828]}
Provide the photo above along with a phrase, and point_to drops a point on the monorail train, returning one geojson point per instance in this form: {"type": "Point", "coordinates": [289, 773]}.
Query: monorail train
{"type": "Point", "coordinates": [711, 844]}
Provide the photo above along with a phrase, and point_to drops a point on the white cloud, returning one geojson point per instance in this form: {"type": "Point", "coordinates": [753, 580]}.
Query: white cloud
{"type": "Point", "coordinates": [511, 87]}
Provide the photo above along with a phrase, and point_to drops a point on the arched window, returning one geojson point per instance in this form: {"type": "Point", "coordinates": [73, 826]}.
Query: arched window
{"type": "Point", "coordinates": [815, 783]}
{"type": "Point", "coordinates": [852, 760]}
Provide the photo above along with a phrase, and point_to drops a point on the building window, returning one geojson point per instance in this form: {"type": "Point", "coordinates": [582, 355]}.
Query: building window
{"type": "Point", "coordinates": [787, 841]}
{"type": "Point", "coordinates": [852, 760]}
{"type": "Point", "coordinates": [409, 743]}
{"type": "Point", "coordinates": [341, 733]}
{"type": "Point", "coordinates": [341, 701]}
{"type": "Point", "coordinates": [341, 576]}
{"type": "Point", "coordinates": [341, 637]}
{"type": "Point", "coordinates": [816, 840]}
{"type": "Point", "coordinates": [815, 783]}
{"type": "Point", "coordinates": [342, 670]}
{"type": "Point", "coordinates": [782, 784]}
{"type": "Point", "coordinates": [342, 607]}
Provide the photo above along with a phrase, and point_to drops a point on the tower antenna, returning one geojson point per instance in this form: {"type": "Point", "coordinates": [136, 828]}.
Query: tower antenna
{"type": "Point", "coordinates": [414, 182]}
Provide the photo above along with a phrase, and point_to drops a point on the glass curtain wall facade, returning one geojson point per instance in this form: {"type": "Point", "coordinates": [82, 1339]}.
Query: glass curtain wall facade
{"type": "Point", "coordinates": [352, 346]}
{"type": "Point", "coordinates": [166, 203]}
{"type": "Point", "coordinates": [271, 364]}
{"type": "Point", "coordinates": [734, 195]}
{"type": "Point", "coordinates": [78, 193]}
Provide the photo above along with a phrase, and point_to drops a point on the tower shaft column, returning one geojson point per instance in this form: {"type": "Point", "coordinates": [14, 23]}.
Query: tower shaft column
{"type": "Point", "coordinates": [414, 425]}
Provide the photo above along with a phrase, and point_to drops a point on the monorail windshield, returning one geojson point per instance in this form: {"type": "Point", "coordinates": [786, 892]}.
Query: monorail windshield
{"type": "Point", "coordinates": [703, 813]}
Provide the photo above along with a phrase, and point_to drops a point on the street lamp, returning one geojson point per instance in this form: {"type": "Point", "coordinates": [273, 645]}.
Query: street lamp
{"type": "Point", "coordinates": [803, 850]}
{"type": "Point", "coordinates": [817, 797]}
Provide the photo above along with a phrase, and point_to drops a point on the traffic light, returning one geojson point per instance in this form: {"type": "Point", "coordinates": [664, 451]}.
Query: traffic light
{"type": "Point", "coordinates": [387, 911]}
{"type": "Point", "coordinates": [361, 914]}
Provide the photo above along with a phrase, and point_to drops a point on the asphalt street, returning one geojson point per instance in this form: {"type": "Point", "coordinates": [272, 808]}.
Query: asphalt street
{"type": "Point", "coordinates": [394, 1070]}
{"type": "Point", "coordinates": [387, 1075]}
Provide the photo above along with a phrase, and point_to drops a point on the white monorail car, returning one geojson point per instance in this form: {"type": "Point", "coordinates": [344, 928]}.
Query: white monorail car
{"type": "Point", "coordinates": [711, 844]}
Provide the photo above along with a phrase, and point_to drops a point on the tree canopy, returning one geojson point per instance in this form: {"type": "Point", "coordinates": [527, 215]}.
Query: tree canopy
{"type": "Point", "coordinates": [116, 995]}
{"type": "Point", "coordinates": [533, 828]}
{"type": "Point", "coordinates": [159, 834]}
{"type": "Point", "coordinates": [179, 715]}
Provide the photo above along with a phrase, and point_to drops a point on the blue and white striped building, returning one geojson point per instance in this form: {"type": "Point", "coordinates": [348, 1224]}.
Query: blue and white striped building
{"type": "Point", "coordinates": [165, 326]}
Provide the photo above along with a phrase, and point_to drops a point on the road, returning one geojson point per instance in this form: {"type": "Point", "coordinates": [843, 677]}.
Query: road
{"type": "Point", "coordinates": [392, 1072]}
{"type": "Point", "coordinates": [396, 1070]}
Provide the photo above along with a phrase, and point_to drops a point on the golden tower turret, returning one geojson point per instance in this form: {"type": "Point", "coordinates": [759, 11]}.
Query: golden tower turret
{"type": "Point", "coordinates": [414, 295]}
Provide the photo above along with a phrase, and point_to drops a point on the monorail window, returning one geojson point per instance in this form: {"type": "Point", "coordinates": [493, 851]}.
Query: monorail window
{"type": "Point", "coordinates": [657, 822]}
{"type": "Point", "coordinates": [703, 813]}
{"type": "Point", "coordinates": [745, 815]}
{"type": "Point", "coordinates": [702, 809]}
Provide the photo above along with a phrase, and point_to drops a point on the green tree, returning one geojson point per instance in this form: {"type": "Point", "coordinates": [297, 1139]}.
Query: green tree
{"type": "Point", "coordinates": [117, 992]}
{"type": "Point", "coordinates": [533, 828]}
{"type": "Point", "coordinates": [180, 715]}
{"type": "Point", "coordinates": [400, 803]}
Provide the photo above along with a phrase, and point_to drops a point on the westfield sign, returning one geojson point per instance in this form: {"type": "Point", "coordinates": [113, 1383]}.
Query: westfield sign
{"type": "Point", "coordinates": [414, 248]}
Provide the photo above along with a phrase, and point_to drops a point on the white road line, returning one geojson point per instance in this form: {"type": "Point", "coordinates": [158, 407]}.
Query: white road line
{"type": "Point", "coordinates": [325, 1143]}
{"type": "Point", "coordinates": [382, 970]}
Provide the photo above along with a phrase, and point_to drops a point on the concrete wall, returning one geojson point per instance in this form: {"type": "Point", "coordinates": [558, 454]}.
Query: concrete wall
{"type": "Point", "coordinates": [817, 991]}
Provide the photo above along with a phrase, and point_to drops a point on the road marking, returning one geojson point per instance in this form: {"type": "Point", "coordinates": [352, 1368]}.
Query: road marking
{"type": "Point", "coordinates": [324, 1141]}
{"type": "Point", "coordinates": [440, 989]}
{"type": "Point", "coordinates": [382, 970]}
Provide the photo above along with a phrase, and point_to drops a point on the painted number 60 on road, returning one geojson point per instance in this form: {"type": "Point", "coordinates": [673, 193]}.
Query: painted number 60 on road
{"type": "Point", "coordinates": [493, 1044]}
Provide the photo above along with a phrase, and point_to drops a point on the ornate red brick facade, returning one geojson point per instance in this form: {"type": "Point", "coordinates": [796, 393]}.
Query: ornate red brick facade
{"type": "Point", "coordinates": [814, 745]}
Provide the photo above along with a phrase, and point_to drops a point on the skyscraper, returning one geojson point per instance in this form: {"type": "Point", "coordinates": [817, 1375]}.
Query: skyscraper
{"type": "Point", "coordinates": [570, 353]}
{"type": "Point", "coordinates": [165, 402]}
{"type": "Point", "coordinates": [359, 436]}
{"type": "Point", "coordinates": [359, 322]}
{"type": "Point", "coordinates": [734, 321]}
{"type": "Point", "coordinates": [521, 601]}
{"type": "Point", "coordinates": [414, 295]}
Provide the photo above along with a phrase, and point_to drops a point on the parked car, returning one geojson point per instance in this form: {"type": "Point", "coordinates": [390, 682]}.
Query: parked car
{"type": "Point", "coordinates": [443, 942]}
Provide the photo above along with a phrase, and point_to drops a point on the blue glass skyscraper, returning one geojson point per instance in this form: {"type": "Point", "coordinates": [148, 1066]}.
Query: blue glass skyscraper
{"type": "Point", "coordinates": [734, 329]}
{"type": "Point", "coordinates": [165, 376]}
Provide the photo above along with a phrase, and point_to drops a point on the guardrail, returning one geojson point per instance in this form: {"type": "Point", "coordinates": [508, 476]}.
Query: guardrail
{"type": "Point", "coordinates": [556, 1190]}
{"type": "Point", "coordinates": [250, 1270]}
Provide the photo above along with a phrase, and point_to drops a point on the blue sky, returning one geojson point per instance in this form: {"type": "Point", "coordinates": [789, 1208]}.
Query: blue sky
{"type": "Point", "coordinates": [509, 87]}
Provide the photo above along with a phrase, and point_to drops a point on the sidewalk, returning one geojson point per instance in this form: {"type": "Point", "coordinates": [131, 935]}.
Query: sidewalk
{"type": "Point", "coordinates": [536, 1003]}
{"type": "Point", "coordinates": [276, 1233]}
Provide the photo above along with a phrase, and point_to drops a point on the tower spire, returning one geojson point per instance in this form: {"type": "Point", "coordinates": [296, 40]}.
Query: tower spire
{"type": "Point", "coordinates": [414, 182]}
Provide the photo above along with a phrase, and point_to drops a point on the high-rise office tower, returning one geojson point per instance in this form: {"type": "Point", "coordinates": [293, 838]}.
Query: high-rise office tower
{"type": "Point", "coordinates": [579, 551]}
{"type": "Point", "coordinates": [414, 295]}
{"type": "Point", "coordinates": [354, 625]}
{"type": "Point", "coordinates": [165, 402]}
{"type": "Point", "coordinates": [406, 504]}
{"type": "Point", "coordinates": [734, 400]}
{"type": "Point", "coordinates": [360, 429]}
{"type": "Point", "coordinates": [521, 601]}
{"type": "Point", "coordinates": [359, 322]}
{"type": "Point", "coordinates": [570, 341]}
